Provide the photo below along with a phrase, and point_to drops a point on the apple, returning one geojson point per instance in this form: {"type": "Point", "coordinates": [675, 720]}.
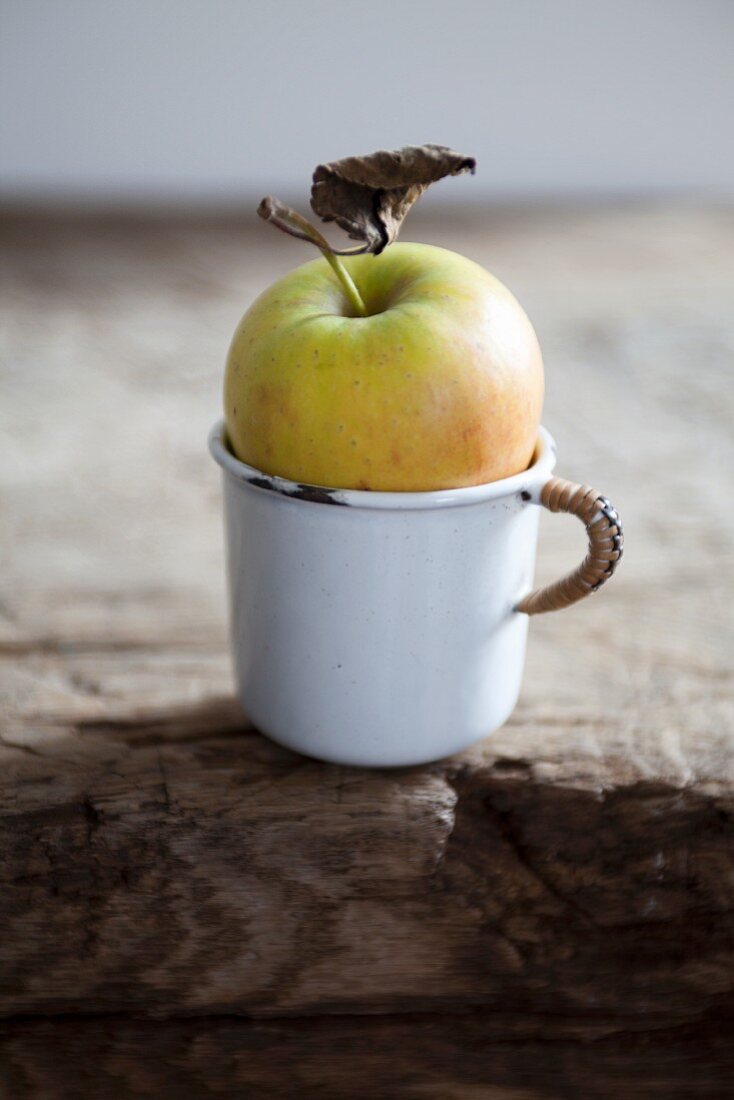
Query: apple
{"type": "Point", "coordinates": [439, 386]}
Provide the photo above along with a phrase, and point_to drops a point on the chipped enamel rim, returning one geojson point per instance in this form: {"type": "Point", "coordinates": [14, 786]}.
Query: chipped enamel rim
{"type": "Point", "coordinates": [530, 481]}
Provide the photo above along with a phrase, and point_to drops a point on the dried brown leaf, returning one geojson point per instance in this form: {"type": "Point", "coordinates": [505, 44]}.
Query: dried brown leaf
{"type": "Point", "coordinates": [290, 221]}
{"type": "Point", "coordinates": [369, 196]}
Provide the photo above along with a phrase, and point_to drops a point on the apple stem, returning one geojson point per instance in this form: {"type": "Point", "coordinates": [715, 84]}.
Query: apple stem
{"type": "Point", "coordinates": [347, 282]}
{"type": "Point", "coordinates": [274, 211]}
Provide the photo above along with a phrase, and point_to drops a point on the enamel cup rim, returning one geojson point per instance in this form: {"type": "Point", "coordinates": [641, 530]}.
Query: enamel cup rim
{"type": "Point", "coordinates": [530, 480]}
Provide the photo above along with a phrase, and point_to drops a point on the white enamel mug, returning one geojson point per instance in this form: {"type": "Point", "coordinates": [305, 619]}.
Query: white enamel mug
{"type": "Point", "coordinates": [389, 629]}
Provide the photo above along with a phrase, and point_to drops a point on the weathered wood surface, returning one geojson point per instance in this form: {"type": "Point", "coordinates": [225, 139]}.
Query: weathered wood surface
{"type": "Point", "coordinates": [474, 1056]}
{"type": "Point", "coordinates": [159, 856]}
{"type": "Point", "coordinates": [223, 875]}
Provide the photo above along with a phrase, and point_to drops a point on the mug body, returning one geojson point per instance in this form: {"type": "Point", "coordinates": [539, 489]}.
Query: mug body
{"type": "Point", "coordinates": [378, 629]}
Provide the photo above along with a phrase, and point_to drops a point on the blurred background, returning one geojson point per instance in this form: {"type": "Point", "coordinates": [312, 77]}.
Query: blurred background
{"type": "Point", "coordinates": [212, 100]}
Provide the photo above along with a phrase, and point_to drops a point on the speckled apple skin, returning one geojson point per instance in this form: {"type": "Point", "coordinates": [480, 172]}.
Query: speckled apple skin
{"type": "Point", "coordinates": [440, 387]}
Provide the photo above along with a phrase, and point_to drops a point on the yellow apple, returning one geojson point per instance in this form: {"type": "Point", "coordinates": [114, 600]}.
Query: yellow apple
{"type": "Point", "coordinates": [440, 386]}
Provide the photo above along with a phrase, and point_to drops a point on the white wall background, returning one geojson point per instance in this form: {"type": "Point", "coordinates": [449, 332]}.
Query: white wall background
{"type": "Point", "coordinates": [219, 99]}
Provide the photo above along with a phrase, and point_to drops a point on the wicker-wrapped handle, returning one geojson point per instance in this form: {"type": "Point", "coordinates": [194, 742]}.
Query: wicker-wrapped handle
{"type": "Point", "coordinates": [606, 541]}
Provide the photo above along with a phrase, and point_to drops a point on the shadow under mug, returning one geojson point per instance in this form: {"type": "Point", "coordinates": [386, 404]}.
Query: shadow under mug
{"type": "Point", "coordinates": [387, 629]}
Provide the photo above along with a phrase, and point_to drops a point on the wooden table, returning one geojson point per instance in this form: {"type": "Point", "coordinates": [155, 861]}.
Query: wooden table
{"type": "Point", "coordinates": [187, 910]}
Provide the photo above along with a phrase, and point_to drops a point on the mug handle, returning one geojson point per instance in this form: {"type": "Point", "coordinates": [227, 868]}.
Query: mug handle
{"type": "Point", "coordinates": [606, 541]}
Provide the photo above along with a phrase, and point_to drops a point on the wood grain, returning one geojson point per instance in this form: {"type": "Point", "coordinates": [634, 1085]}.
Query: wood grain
{"type": "Point", "coordinates": [472, 1056]}
{"type": "Point", "coordinates": [222, 874]}
{"type": "Point", "coordinates": [159, 856]}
